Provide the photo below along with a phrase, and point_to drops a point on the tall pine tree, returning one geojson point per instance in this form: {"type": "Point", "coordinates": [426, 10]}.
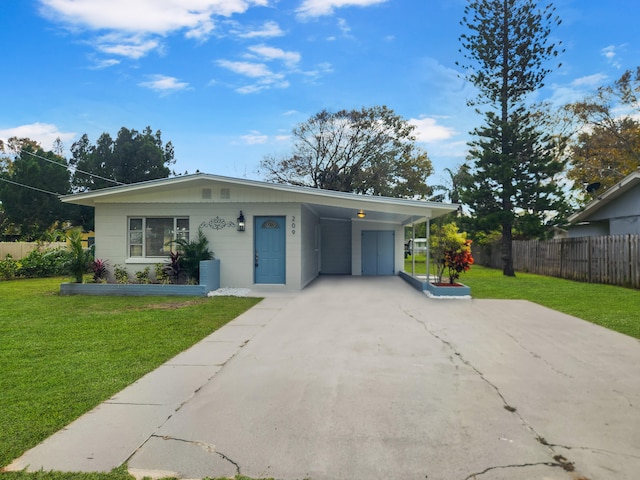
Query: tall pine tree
{"type": "Point", "coordinates": [511, 186]}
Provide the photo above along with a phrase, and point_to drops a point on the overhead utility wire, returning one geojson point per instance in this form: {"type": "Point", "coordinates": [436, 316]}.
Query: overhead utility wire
{"type": "Point", "coordinates": [29, 186]}
{"type": "Point", "coordinates": [77, 169]}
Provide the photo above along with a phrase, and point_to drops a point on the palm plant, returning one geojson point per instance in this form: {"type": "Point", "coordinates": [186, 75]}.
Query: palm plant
{"type": "Point", "coordinates": [79, 258]}
{"type": "Point", "coordinates": [192, 253]}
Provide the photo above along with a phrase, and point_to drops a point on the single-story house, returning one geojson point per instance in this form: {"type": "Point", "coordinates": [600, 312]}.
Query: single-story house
{"type": "Point", "coordinates": [263, 233]}
{"type": "Point", "coordinates": [615, 212]}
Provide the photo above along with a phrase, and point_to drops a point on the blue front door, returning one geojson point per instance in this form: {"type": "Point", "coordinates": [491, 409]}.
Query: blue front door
{"type": "Point", "coordinates": [269, 254]}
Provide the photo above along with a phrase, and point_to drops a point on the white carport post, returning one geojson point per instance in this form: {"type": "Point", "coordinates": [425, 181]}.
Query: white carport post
{"type": "Point", "coordinates": [413, 242]}
{"type": "Point", "coordinates": [428, 233]}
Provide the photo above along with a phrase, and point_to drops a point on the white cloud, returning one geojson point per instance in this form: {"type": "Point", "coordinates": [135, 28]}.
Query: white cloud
{"type": "Point", "coordinates": [248, 89]}
{"type": "Point", "coordinates": [248, 69]}
{"type": "Point", "coordinates": [321, 69]}
{"type": "Point", "coordinates": [590, 81]}
{"type": "Point", "coordinates": [268, 30]}
{"type": "Point", "coordinates": [150, 16]}
{"type": "Point", "coordinates": [164, 84]}
{"type": "Point", "coordinates": [318, 8]}
{"type": "Point", "coordinates": [264, 84]}
{"type": "Point", "coordinates": [43, 133]}
{"type": "Point", "coordinates": [255, 138]}
{"type": "Point", "coordinates": [272, 53]}
{"type": "Point", "coordinates": [611, 54]}
{"type": "Point", "coordinates": [132, 46]}
{"type": "Point", "coordinates": [143, 19]}
{"type": "Point", "coordinates": [344, 27]}
{"type": "Point", "coordinates": [202, 31]}
{"type": "Point", "coordinates": [266, 79]}
{"type": "Point", "coordinates": [104, 63]}
{"type": "Point", "coordinates": [577, 89]}
{"type": "Point", "coordinates": [427, 130]}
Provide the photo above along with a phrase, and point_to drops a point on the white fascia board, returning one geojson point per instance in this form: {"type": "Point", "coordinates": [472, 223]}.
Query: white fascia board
{"type": "Point", "coordinates": [310, 195]}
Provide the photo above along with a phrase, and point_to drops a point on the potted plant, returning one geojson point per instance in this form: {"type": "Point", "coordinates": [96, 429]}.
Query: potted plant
{"type": "Point", "coordinates": [451, 253]}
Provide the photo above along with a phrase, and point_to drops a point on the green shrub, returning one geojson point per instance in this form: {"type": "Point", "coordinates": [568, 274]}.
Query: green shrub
{"type": "Point", "coordinates": [9, 268]}
{"type": "Point", "coordinates": [120, 273]}
{"type": "Point", "coordinates": [162, 276]}
{"type": "Point", "coordinates": [44, 263]}
{"type": "Point", "coordinates": [143, 276]}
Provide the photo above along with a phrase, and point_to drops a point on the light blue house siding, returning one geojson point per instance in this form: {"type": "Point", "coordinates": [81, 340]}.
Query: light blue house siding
{"type": "Point", "coordinates": [615, 212]}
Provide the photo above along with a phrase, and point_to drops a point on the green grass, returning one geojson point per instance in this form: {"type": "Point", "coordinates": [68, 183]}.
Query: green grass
{"type": "Point", "coordinates": [62, 355]}
{"type": "Point", "coordinates": [616, 308]}
{"type": "Point", "coordinates": [119, 473]}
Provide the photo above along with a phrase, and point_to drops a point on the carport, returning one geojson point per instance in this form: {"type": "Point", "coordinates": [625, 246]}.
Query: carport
{"type": "Point", "coordinates": [367, 238]}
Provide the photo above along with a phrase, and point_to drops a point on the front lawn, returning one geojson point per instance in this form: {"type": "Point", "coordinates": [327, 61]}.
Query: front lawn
{"type": "Point", "coordinates": [61, 356]}
{"type": "Point", "coordinates": [616, 308]}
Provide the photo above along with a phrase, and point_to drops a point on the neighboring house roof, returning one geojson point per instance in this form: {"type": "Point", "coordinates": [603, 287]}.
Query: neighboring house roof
{"type": "Point", "coordinates": [608, 196]}
{"type": "Point", "coordinates": [326, 203]}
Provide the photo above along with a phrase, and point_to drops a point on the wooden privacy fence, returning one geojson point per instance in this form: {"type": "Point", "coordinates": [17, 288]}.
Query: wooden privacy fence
{"type": "Point", "coordinates": [614, 259]}
{"type": "Point", "coordinates": [20, 249]}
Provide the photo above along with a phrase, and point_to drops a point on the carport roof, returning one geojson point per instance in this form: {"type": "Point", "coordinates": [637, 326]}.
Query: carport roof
{"type": "Point", "coordinates": [325, 203]}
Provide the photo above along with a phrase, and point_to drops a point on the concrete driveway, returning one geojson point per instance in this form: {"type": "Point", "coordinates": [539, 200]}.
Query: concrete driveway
{"type": "Point", "coordinates": [366, 378]}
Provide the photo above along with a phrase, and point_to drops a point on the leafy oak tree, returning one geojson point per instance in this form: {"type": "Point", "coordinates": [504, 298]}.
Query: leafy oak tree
{"type": "Point", "coordinates": [369, 151]}
{"type": "Point", "coordinates": [606, 138]}
{"type": "Point", "coordinates": [131, 157]}
{"type": "Point", "coordinates": [514, 163]}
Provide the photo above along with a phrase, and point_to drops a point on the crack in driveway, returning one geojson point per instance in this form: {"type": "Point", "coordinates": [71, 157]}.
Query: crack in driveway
{"type": "Point", "coordinates": [466, 362]}
{"type": "Point", "coordinates": [588, 449]}
{"type": "Point", "coordinates": [536, 356]}
{"type": "Point", "coordinates": [505, 467]}
{"type": "Point", "coordinates": [559, 460]}
{"type": "Point", "coordinates": [207, 447]}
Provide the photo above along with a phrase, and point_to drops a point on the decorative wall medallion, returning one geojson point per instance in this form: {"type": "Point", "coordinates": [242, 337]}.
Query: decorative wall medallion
{"type": "Point", "coordinates": [217, 224]}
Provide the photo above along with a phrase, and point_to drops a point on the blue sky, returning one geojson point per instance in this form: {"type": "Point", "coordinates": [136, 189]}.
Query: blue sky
{"type": "Point", "coordinates": [227, 80]}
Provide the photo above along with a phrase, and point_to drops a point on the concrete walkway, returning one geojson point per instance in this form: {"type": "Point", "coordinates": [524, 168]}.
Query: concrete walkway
{"type": "Point", "coordinates": [358, 378]}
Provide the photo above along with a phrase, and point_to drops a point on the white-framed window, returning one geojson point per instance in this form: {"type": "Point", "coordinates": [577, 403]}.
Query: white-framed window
{"type": "Point", "coordinates": [152, 236]}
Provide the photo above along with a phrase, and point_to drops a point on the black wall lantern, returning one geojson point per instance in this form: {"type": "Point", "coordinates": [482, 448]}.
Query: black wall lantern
{"type": "Point", "coordinates": [241, 222]}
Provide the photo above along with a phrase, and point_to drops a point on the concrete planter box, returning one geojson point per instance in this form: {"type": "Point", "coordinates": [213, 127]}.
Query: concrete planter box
{"type": "Point", "coordinates": [448, 291]}
{"type": "Point", "coordinates": [421, 284]}
{"type": "Point", "coordinates": [209, 280]}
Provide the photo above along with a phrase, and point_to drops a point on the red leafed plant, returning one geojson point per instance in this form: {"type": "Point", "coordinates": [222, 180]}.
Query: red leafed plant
{"type": "Point", "coordinates": [450, 250]}
{"type": "Point", "coordinates": [99, 269]}
{"type": "Point", "coordinates": [458, 261]}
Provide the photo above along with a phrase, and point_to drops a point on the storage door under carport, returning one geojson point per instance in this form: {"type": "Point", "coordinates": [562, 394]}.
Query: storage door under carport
{"type": "Point", "coordinates": [378, 252]}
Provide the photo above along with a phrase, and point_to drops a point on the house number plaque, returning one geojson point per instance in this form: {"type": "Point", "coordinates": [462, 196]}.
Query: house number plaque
{"type": "Point", "coordinates": [293, 225]}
